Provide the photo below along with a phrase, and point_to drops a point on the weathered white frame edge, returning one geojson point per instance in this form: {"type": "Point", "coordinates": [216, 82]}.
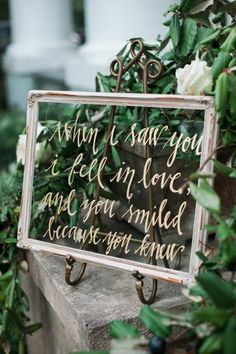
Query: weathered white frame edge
{"type": "Point", "coordinates": [210, 133]}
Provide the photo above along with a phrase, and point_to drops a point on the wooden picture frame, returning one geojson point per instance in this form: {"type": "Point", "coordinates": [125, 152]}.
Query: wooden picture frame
{"type": "Point", "coordinates": [210, 133]}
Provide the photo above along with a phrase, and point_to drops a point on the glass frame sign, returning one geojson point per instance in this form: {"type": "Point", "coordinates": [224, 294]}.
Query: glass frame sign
{"type": "Point", "coordinates": [82, 206]}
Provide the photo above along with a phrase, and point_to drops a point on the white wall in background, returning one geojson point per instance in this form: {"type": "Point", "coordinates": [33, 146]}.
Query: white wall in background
{"type": "Point", "coordinates": [41, 41]}
{"type": "Point", "coordinates": [109, 24]}
{"type": "Point", "coordinates": [41, 32]}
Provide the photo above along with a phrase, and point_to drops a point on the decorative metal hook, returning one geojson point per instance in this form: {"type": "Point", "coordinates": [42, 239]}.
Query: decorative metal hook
{"type": "Point", "coordinates": [139, 288]}
{"type": "Point", "coordinates": [117, 70]}
{"type": "Point", "coordinates": [151, 70]}
{"type": "Point", "coordinates": [154, 69]}
{"type": "Point", "coordinates": [136, 50]}
{"type": "Point", "coordinates": [68, 270]}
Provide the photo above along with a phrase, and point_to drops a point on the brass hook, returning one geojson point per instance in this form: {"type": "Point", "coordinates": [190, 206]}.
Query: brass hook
{"type": "Point", "coordinates": [139, 288]}
{"type": "Point", "coordinates": [154, 63]}
{"type": "Point", "coordinates": [69, 267]}
{"type": "Point", "coordinates": [117, 69]}
{"type": "Point", "coordinates": [150, 74]}
{"type": "Point", "coordinates": [139, 50]}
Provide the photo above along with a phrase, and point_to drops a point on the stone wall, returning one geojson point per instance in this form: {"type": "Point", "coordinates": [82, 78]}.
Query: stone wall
{"type": "Point", "coordinates": [77, 318]}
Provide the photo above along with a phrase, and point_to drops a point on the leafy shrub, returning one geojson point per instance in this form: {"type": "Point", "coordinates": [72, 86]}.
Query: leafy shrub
{"type": "Point", "coordinates": [11, 125]}
{"type": "Point", "coordinates": [13, 301]}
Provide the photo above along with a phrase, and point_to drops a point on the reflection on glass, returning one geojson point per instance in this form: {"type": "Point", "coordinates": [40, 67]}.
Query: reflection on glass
{"type": "Point", "coordinates": [117, 189]}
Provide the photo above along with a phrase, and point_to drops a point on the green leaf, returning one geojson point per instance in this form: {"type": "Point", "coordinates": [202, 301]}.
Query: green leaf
{"type": "Point", "coordinates": [233, 174]}
{"type": "Point", "coordinates": [212, 344]}
{"type": "Point", "coordinates": [120, 329]}
{"type": "Point", "coordinates": [229, 342]}
{"type": "Point", "coordinates": [21, 347]}
{"type": "Point", "coordinates": [230, 42]}
{"type": "Point", "coordinates": [90, 189]}
{"type": "Point", "coordinates": [174, 122]}
{"type": "Point", "coordinates": [223, 169]}
{"type": "Point", "coordinates": [219, 291]}
{"type": "Point", "coordinates": [224, 230]}
{"type": "Point", "coordinates": [170, 55]}
{"type": "Point", "coordinates": [186, 5]}
{"type": "Point", "coordinates": [74, 210]}
{"type": "Point", "coordinates": [168, 88]}
{"type": "Point", "coordinates": [3, 214]}
{"type": "Point", "coordinates": [171, 8]}
{"type": "Point", "coordinates": [32, 328]}
{"type": "Point", "coordinates": [167, 23]}
{"type": "Point", "coordinates": [220, 63]}
{"type": "Point", "coordinates": [222, 93]}
{"type": "Point", "coordinates": [231, 7]}
{"type": "Point", "coordinates": [211, 38]}
{"type": "Point", "coordinates": [154, 321]}
{"type": "Point", "coordinates": [164, 42]}
{"type": "Point", "coordinates": [202, 33]}
{"type": "Point", "coordinates": [4, 320]}
{"type": "Point", "coordinates": [175, 30]}
{"type": "Point", "coordinates": [103, 82]}
{"type": "Point", "coordinates": [205, 196]}
{"type": "Point", "coordinates": [10, 293]}
{"type": "Point", "coordinates": [7, 275]}
{"type": "Point", "coordinates": [232, 63]}
{"type": "Point", "coordinates": [228, 137]}
{"type": "Point", "coordinates": [228, 251]}
{"type": "Point", "coordinates": [202, 18]}
{"type": "Point", "coordinates": [214, 315]}
{"type": "Point", "coordinates": [201, 256]}
{"type": "Point", "coordinates": [188, 36]}
{"type": "Point", "coordinates": [210, 228]}
{"type": "Point", "coordinates": [197, 175]}
{"type": "Point", "coordinates": [116, 157]}
{"type": "Point", "coordinates": [218, 17]}
{"type": "Point", "coordinates": [232, 95]}
{"type": "Point", "coordinates": [10, 240]}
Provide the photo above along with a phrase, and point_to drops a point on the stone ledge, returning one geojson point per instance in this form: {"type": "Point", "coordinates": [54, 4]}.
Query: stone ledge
{"type": "Point", "coordinates": [81, 314]}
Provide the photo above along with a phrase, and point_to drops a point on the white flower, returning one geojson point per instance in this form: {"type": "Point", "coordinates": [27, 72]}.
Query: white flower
{"type": "Point", "coordinates": [40, 129]}
{"type": "Point", "coordinates": [20, 149]}
{"type": "Point", "coordinates": [195, 78]}
{"type": "Point", "coordinates": [42, 152]}
{"type": "Point", "coordinates": [21, 146]}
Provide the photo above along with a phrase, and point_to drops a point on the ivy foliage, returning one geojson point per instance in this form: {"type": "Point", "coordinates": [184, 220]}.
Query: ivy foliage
{"type": "Point", "coordinates": [14, 323]}
{"type": "Point", "coordinates": [209, 34]}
